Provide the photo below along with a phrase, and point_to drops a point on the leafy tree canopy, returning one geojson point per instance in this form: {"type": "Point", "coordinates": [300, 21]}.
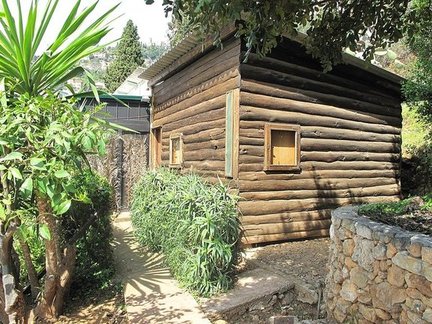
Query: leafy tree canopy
{"type": "Point", "coordinates": [331, 25]}
{"type": "Point", "coordinates": [152, 51]}
{"type": "Point", "coordinates": [128, 56]}
{"type": "Point", "coordinates": [418, 88]}
{"type": "Point", "coordinates": [43, 143]}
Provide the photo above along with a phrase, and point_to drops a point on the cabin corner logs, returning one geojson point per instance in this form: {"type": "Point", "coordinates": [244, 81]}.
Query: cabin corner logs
{"type": "Point", "coordinates": [348, 124]}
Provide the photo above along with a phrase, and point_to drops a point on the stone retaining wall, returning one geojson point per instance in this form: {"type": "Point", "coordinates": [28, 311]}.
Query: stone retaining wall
{"type": "Point", "coordinates": [377, 273]}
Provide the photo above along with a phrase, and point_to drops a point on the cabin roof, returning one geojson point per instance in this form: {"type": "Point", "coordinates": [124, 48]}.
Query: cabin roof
{"type": "Point", "coordinates": [191, 42]}
{"type": "Point", "coordinates": [173, 54]}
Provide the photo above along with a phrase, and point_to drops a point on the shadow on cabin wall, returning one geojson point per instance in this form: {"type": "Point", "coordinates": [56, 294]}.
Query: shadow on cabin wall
{"type": "Point", "coordinates": [328, 199]}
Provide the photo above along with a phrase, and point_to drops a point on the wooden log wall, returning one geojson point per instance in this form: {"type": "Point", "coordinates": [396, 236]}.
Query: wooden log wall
{"type": "Point", "coordinates": [192, 102]}
{"type": "Point", "coordinates": [350, 143]}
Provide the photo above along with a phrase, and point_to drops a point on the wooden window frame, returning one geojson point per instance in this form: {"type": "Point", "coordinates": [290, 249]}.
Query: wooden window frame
{"type": "Point", "coordinates": [268, 127]}
{"type": "Point", "coordinates": [156, 147]}
{"type": "Point", "coordinates": [232, 128]}
{"type": "Point", "coordinates": [180, 138]}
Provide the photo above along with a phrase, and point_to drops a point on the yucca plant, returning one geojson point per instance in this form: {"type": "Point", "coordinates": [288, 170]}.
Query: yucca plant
{"type": "Point", "coordinates": [31, 78]}
{"type": "Point", "coordinates": [26, 67]}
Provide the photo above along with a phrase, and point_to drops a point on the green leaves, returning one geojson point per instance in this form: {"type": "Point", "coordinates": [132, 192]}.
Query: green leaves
{"type": "Point", "coordinates": [2, 212]}
{"type": "Point", "coordinates": [330, 25]}
{"type": "Point", "coordinates": [27, 188]}
{"type": "Point", "coordinates": [193, 223]}
{"type": "Point", "coordinates": [26, 73]}
{"type": "Point", "coordinates": [128, 56]}
{"type": "Point", "coordinates": [62, 207]}
{"type": "Point", "coordinates": [15, 173]}
{"type": "Point", "coordinates": [44, 232]}
{"type": "Point", "coordinates": [60, 174]}
{"type": "Point", "coordinates": [12, 156]}
{"type": "Point", "coordinates": [50, 131]}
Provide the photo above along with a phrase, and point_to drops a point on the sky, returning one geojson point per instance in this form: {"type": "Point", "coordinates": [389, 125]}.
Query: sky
{"type": "Point", "coordinates": [150, 19]}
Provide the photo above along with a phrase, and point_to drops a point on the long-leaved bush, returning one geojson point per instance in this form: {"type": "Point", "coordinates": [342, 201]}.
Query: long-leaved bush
{"type": "Point", "coordinates": [195, 225]}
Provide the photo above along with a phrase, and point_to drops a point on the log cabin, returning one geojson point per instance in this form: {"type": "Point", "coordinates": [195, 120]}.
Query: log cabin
{"type": "Point", "coordinates": [293, 141]}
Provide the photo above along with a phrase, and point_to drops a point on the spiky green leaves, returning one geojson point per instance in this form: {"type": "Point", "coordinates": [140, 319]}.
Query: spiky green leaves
{"type": "Point", "coordinates": [29, 69]}
{"type": "Point", "coordinates": [193, 223]}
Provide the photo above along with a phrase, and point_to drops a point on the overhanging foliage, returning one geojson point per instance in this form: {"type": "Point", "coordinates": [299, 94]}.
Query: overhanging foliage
{"type": "Point", "coordinates": [331, 25]}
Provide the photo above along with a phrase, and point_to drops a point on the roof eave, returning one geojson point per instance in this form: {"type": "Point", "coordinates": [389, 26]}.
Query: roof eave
{"type": "Point", "coordinates": [162, 66]}
{"type": "Point", "coordinates": [355, 61]}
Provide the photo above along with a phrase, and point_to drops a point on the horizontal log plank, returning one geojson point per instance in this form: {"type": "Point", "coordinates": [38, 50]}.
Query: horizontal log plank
{"type": "Point", "coordinates": [250, 208]}
{"type": "Point", "coordinates": [205, 165]}
{"type": "Point", "coordinates": [191, 130]}
{"type": "Point", "coordinates": [353, 193]}
{"type": "Point", "coordinates": [204, 154]}
{"type": "Point", "coordinates": [255, 239]}
{"type": "Point", "coordinates": [245, 159]}
{"type": "Point", "coordinates": [313, 184]}
{"type": "Point", "coordinates": [209, 144]}
{"type": "Point", "coordinates": [329, 145]}
{"type": "Point", "coordinates": [272, 76]}
{"type": "Point", "coordinates": [288, 227]}
{"type": "Point", "coordinates": [265, 101]}
{"type": "Point", "coordinates": [253, 129]}
{"type": "Point", "coordinates": [312, 74]}
{"type": "Point", "coordinates": [338, 165]}
{"type": "Point", "coordinates": [318, 214]}
{"type": "Point", "coordinates": [348, 156]}
{"type": "Point", "coordinates": [324, 144]}
{"type": "Point", "coordinates": [189, 111]}
{"type": "Point", "coordinates": [199, 93]}
{"type": "Point", "coordinates": [318, 174]}
{"type": "Point", "coordinates": [211, 134]}
{"type": "Point", "coordinates": [197, 119]}
{"type": "Point", "coordinates": [261, 114]}
{"type": "Point", "coordinates": [277, 90]}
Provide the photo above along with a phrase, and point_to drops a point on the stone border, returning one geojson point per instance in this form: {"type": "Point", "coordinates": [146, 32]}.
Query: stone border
{"type": "Point", "coordinates": [377, 272]}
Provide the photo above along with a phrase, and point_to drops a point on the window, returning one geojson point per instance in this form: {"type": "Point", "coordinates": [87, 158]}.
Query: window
{"type": "Point", "coordinates": [282, 147]}
{"type": "Point", "coordinates": [176, 150]}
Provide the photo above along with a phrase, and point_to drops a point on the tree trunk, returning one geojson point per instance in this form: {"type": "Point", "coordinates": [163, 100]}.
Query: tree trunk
{"type": "Point", "coordinates": [32, 274]}
{"type": "Point", "coordinates": [14, 305]}
{"type": "Point", "coordinates": [59, 266]}
{"type": "Point", "coordinates": [4, 318]}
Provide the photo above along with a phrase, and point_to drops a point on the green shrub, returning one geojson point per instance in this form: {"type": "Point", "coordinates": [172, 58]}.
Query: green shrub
{"type": "Point", "coordinates": [94, 267]}
{"type": "Point", "coordinates": [396, 208]}
{"type": "Point", "coordinates": [94, 263]}
{"type": "Point", "coordinates": [412, 214]}
{"type": "Point", "coordinates": [193, 223]}
{"type": "Point", "coordinates": [416, 175]}
{"type": "Point", "coordinates": [385, 209]}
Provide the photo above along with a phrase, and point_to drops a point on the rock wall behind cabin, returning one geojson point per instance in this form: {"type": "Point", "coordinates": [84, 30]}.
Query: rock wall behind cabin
{"type": "Point", "coordinates": [350, 143]}
{"type": "Point", "coordinates": [192, 102]}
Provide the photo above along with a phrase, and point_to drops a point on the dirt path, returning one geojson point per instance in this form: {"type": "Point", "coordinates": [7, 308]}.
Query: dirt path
{"type": "Point", "coordinates": [151, 294]}
{"type": "Point", "coordinates": [306, 260]}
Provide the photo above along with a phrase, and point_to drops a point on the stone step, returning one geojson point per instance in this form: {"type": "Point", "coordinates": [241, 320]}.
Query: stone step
{"type": "Point", "coordinates": [255, 290]}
